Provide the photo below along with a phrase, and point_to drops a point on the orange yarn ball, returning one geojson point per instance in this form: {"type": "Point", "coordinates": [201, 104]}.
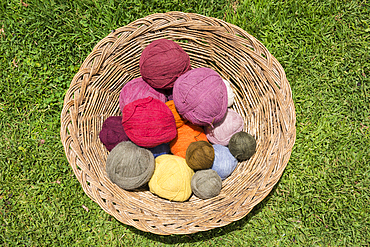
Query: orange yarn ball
{"type": "Point", "coordinates": [186, 134]}
{"type": "Point", "coordinates": [180, 121]}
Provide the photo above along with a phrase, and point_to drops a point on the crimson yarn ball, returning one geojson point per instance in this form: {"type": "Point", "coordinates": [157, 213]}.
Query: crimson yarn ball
{"type": "Point", "coordinates": [200, 96]}
{"type": "Point", "coordinates": [148, 122]}
{"type": "Point", "coordinates": [112, 132]}
{"type": "Point", "coordinates": [138, 89]}
{"type": "Point", "coordinates": [162, 62]}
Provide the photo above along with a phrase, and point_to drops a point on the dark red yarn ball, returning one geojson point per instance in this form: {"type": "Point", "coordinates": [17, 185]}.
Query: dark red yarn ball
{"type": "Point", "coordinates": [112, 132]}
{"type": "Point", "coordinates": [162, 62]}
{"type": "Point", "coordinates": [148, 122]}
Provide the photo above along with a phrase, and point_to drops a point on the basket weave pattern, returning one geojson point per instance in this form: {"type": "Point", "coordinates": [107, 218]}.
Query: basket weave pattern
{"type": "Point", "coordinates": [263, 99]}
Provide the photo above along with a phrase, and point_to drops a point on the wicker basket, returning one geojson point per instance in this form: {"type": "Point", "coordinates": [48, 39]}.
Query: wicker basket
{"type": "Point", "coordinates": [263, 98]}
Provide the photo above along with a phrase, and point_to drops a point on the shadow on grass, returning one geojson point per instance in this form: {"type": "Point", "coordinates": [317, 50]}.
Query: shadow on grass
{"type": "Point", "coordinates": [210, 234]}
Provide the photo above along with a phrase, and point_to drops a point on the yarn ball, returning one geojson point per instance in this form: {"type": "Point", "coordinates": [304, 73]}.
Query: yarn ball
{"type": "Point", "coordinates": [224, 163]}
{"type": "Point", "coordinates": [171, 178]}
{"type": "Point", "coordinates": [221, 132]}
{"type": "Point", "coordinates": [206, 184]}
{"type": "Point", "coordinates": [130, 166]}
{"type": "Point", "coordinates": [160, 149]}
{"type": "Point", "coordinates": [167, 92]}
{"type": "Point", "coordinates": [230, 93]}
{"type": "Point", "coordinates": [138, 89]}
{"type": "Point", "coordinates": [242, 145]}
{"type": "Point", "coordinates": [162, 62]}
{"type": "Point", "coordinates": [186, 134]}
{"type": "Point", "coordinates": [200, 155]}
{"type": "Point", "coordinates": [112, 132]}
{"type": "Point", "coordinates": [200, 96]}
{"type": "Point", "coordinates": [180, 121]}
{"type": "Point", "coordinates": [148, 122]}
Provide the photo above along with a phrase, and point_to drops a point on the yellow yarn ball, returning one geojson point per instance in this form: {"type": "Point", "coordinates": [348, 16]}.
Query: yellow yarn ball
{"type": "Point", "coordinates": [171, 178]}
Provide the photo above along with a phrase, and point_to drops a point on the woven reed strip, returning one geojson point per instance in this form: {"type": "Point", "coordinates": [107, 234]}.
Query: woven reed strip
{"type": "Point", "coordinates": [263, 98]}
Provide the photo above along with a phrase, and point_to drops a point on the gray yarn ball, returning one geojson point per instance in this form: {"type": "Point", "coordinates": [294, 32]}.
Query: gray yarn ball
{"type": "Point", "coordinates": [206, 184]}
{"type": "Point", "coordinates": [130, 166]}
{"type": "Point", "coordinates": [242, 145]}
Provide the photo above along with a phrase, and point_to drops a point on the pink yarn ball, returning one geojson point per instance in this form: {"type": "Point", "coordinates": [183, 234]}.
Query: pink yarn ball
{"type": "Point", "coordinates": [221, 132]}
{"type": "Point", "coordinates": [138, 89]}
{"type": "Point", "coordinates": [200, 96]}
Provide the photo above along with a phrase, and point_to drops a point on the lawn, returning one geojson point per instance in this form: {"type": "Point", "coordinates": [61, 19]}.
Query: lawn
{"type": "Point", "coordinates": [322, 198]}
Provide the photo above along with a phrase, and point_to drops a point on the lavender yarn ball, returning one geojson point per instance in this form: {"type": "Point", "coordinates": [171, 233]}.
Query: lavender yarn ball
{"type": "Point", "coordinates": [161, 149]}
{"type": "Point", "coordinates": [200, 96]}
{"type": "Point", "coordinates": [130, 166]}
{"type": "Point", "coordinates": [224, 163]}
{"type": "Point", "coordinates": [221, 132]}
{"type": "Point", "coordinates": [206, 184]}
{"type": "Point", "coordinates": [138, 89]}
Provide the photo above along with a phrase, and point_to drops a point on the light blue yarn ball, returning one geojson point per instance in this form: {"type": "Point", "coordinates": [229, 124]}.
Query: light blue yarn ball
{"type": "Point", "coordinates": [224, 163]}
{"type": "Point", "coordinates": [163, 148]}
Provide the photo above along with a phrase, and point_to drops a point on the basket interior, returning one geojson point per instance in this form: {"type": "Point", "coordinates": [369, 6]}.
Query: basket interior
{"type": "Point", "coordinates": [263, 99]}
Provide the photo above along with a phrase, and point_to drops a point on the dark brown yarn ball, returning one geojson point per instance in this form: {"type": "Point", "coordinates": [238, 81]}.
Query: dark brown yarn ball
{"type": "Point", "coordinates": [242, 145]}
{"type": "Point", "coordinates": [206, 184]}
{"type": "Point", "coordinates": [200, 155]}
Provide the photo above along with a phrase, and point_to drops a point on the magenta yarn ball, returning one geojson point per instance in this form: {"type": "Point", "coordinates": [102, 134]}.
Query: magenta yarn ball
{"type": "Point", "coordinates": [162, 62]}
{"type": "Point", "coordinates": [148, 122]}
{"type": "Point", "coordinates": [221, 132]}
{"type": "Point", "coordinates": [138, 89]}
{"type": "Point", "coordinates": [200, 96]}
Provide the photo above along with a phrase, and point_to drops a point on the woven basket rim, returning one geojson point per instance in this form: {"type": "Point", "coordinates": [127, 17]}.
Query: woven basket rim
{"type": "Point", "coordinates": [263, 98]}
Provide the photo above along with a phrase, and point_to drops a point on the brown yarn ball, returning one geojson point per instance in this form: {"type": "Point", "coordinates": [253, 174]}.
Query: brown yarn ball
{"type": "Point", "coordinates": [200, 155]}
{"type": "Point", "coordinates": [180, 121]}
{"type": "Point", "coordinates": [206, 184]}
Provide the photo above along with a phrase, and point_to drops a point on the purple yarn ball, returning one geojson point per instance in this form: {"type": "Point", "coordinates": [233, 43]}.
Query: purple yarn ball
{"type": "Point", "coordinates": [138, 89]}
{"type": "Point", "coordinates": [221, 132]}
{"type": "Point", "coordinates": [200, 96]}
{"type": "Point", "coordinates": [224, 163]}
{"type": "Point", "coordinates": [112, 132]}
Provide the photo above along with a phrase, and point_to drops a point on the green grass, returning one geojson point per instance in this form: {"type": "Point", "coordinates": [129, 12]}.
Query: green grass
{"type": "Point", "coordinates": [322, 198]}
